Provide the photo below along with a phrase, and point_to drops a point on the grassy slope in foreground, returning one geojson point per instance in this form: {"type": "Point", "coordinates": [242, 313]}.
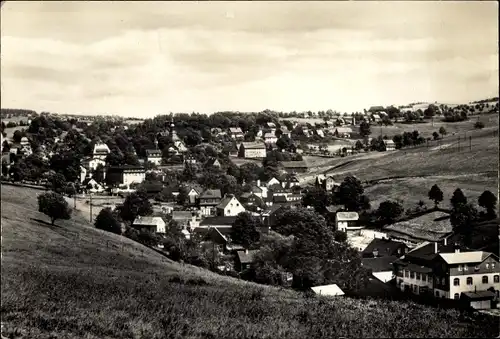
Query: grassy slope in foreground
{"type": "Point", "coordinates": [73, 281]}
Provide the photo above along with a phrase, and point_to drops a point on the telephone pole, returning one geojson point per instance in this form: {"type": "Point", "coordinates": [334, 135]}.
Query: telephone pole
{"type": "Point", "coordinates": [90, 208]}
{"type": "Point", "coordinates": [470, 143]}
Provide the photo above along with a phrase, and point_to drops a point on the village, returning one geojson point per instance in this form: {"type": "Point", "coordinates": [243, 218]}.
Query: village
{"type": "Point", "coordinates": [259, 175]}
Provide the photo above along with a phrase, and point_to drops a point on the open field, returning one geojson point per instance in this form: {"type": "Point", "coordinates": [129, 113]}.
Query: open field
{"type": "Point", "coordinates": [73, 281]}
{"type": "Point", "coordinates": [10, 131]}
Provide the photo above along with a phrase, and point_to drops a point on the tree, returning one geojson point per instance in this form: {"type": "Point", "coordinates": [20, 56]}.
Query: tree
{"type": "Point", "coordinates": [359, 145]}
{"type": "Point", "coordinates": [479, 125]}
{"type": "Point", "coordinates": [458, 198]}
{"type": "Point", "coordinates": [435, 194]}
{"type": "Point", "coordinates": [435, 135]}
{"type": "Point", "coordinates": [244, 230]}
{"type": "Point", "coordinates": [182, 197]}
{"type": "Point", "coordinates": [389, 211]}
{"type": "Point", "coordinates": [134, 205]}
{"type": "Point", "coordinates": [318, 198]}
{"type": "Point", "coordinates": [442, 131]}
{"type": "Point", "coordinates": [364, 129]}
{"type": "Point", "coordinates": [107, 221]}
{"type": "Point", "coordinates": [58, 182]}
{"type": "Point", "coordinates": [340, 236]}
{"type": "Point", "coordinates": [350, 194]}
{"type": "Point", "coordinates": [488, 201]}
{"type": "Point", "coordinates": [54, 206]}
{"type": "Point", "coordinates": [462, 219]}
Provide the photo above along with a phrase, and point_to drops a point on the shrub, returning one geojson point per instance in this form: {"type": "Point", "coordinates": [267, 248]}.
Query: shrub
{"type": "Point", "coordinates": [479, 125]}
{"type": "Point", "coordinates": [54, 206]}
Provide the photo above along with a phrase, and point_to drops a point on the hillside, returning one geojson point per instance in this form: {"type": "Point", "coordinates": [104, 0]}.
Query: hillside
{"type": "Point", "coordinates": [73, 281]}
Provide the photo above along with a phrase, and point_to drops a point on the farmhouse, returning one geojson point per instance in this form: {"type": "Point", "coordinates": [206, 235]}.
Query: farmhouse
{"type": "Point", "coordinates": [151, 224]}
{"type": "Point", "coordinates": [236, 133]}
{"type": "Point", "coordinates": [270, 138]}
{"type": "Point", "coordinates": [293, 167]}
{"type": "Point", "coordinates": [252, 150]}
{"type": "Point", "coordinates": [343, 132]}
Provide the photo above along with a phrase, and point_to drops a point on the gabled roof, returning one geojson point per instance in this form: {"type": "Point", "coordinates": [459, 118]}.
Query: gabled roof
{"type": "Point", "coordinates": [227, 199]}
{"type": "Point", "coordinates": [253, 145]}
{"type": "Point", "coordinates": [256, 189]}
{"type": "Point", "coordinates": [269, 135]}
{"type": "Point", "coordinates": [343, 130]}
{"type": "Point", "coordinates": [213, 161]}
{"type": "Point", "coordinates": [426, 251]}
{"type": "Point", "coordinates": [211, 194]}
{"type": "Point", "coordinates": [379, 264]}
{"type": "Point", "coordinates": [389, 142]}
{"type": "Point", "coordinates": [246, 257]}
{"type": "Point", "coordinates": [465, 257]}
{"type": "Point", "coordinates": [384, 247]}
{"type": "Point", "coordinates": [151, 152]}
{"type": "Point", "coordinates": [235, 130]}
{"type": "Point", "coordinates": [182, 215]}
{"type": "Point", "coordinates": [347, 216]}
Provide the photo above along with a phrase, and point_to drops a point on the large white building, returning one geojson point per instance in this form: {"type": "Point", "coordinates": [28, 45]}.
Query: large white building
{"type": "Point", "coordinates": [252, 150]}
{"type": "Point", "coordinates": [154, 156]}
{"type": "Point", "coordinates": [347, 221]}
{"type": "Point", "coordinates": [230, 206]}
{"type": "Point", "coordinates": [101, 151]}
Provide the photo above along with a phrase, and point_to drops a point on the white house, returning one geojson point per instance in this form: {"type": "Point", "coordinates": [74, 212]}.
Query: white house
{"type": "Point", "coordinates": [93, 163]}
{"type": "Point", "coordinates": [272, 127]}
{"type": "Point", "coordinates": [92, 185]}
{"type": "Point", "coordinates": [153, 224]}
{"type": "Point", "coordinates": [230, 206]}
{"type": "Point", "coordinates": [270, 138]}
{"type": "Point", "coordinates": [154, 156]}
{"type": "Point", "coordinates": [236, 133]}
{"type": "Point", "coordinates": [252, 150]}
{"type": "Point", "coordinates": [101, 151]}
{"type": "Point", "coordinates": [343, 132]}
{"type": "Point", "coordinates": [389, 145]}
{"type": "Point", "coordinates": [347, 221]}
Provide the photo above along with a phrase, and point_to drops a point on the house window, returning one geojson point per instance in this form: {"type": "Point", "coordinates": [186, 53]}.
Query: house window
{"type": "Point", "coordinates": [492, 265]}
{"type": "Point", "coordinates": [466, 268]}
{"type": "Point", "coordinates": [459, 268]}
{"type": "Point", "coordinates": [437, 294]}
{"type": "Point", "coordinates": [412, 275]}
{"type": "Point", "coordinates": [476, 268]}
{"type": "Point", "coordinates": [418, 276]}
{"type": "Point", "coordinates": [469, 281]}
{"type": "Point", "coordinates": [487, 265]}
{"type": "Point", "coordinates": [415, 288]}
{"type": "Point", "coordinates": [485, 279]}
{"type": "Point", "coordinates": [424, 277]}
{"type": "Point", "coordinates": [496, 278]}
{"type": "Point", "coordinates": [456, 282]}
{"type": "Point", "coordinates": [456, 296]}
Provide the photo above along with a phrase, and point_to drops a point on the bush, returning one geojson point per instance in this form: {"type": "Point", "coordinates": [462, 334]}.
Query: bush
{"type": "Point", "coordinates": [54, 206]}
{"type": "Point", "coordinates": [479, 125]}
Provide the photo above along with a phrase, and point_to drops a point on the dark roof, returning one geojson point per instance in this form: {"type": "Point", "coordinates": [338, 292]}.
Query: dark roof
{"type": "Point", "coordinates": [246, 257]}
{"type": "Point", "coordinates": [380, 264]}
{"type": "Point", "coordinates": [385, 247]}
{"type": "Point", "coordinates": [426, 251]}
{"type": "Point", "coordinates": [279, 199]}
{"type": "Point", "coordinates": [211, 194]}
{"type": "Point", "coordinates": [224, 202]}
{"type": "Point", "coordinates": [376, 109]}
{"type": "Point", "coordinates": [150, 152]}
{"type": "Point", "coordinates": [479, 295]}
{"type": "Point", "coordinates": [218, 220]}
{"type": "Point", "coordinates": [256, 189]}
{"type": "Point", "coordinates": [212, 161]}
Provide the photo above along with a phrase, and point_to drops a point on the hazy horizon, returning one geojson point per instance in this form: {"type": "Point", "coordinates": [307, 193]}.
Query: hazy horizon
{"type": "Point", "coordinates": [145, 58]}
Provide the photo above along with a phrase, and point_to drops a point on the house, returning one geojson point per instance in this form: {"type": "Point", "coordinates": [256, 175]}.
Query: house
{"type": "Point", "coordinates": [389, 145]}
{"type": "Point", "coordinates": [151, 224]}
{"type": "Point", "coordinates": [154, 156]}
{"type": "Point", "coordinates": [91, 185]}
{"type": "Point", "coordinates": [254, 189]}
{"type": "Point", "coordinates": [285, 132]}
{"type": "Point", "coordinates": [272, 127]}
{"type": "Point", "coordinates": [251, 199]}
{"type": "Point", "coordinates": [293, 167]}
{"type": "Point", "coordinates": [213, 162]}
{"type": "Point", "coordinates": [347, 221]}
{"type": "Point", "coordinates": [326, 182]}
{"type": "Point", "coordinates": [328, 290]}
{"type": "Point", "coordinates": [270, 138]}
{"type": "Point", "coordinates": [92, 164]}
{"type": "Point", "coordinates": [236, 133]}
{"type": "Point", "coordinates": [271, 182]}
{"type": "Point", "coordinates": [193, 193]}
{"type": "Point", "coordinates": [186, 219]}
{"type": "Point", "coordinates": [384, 248]}
{"type": "Point", "coordinates": [381, 267]}
{"type": "Point", "coordinates": [375, 118]}
{"type": "Point", "coordinates": [343, 132]}
{"type": "Point", "coordinates": [126, 175]}
{"type": "Point", "coordinates": [466, 273]}
{"type": "Point", "coordinates": [208, 201]}
{"type": "Point", "coordinates": [244, 259]}
{"type": "Point", "coordinates": [25, 141]}
{"type": "Point", "coordinates": [101, 151]}
{"type": "Point", "coordinates": [230, 206]}
{"type": "Point", "coordinates": [320, 133]}
{"type": "Point", "coordinates": [252, 150]}
{"type": "Point", "coordinates": [290, 181]}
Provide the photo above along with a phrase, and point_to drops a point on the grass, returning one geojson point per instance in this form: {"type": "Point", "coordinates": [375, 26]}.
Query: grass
{"type": "Point", "coordinates": [436, 221]}
{"type": "Point", "coordinates": [73, 281]}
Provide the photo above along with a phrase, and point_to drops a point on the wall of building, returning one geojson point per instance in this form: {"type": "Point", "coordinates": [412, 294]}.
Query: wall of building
{"type": "Point", "coordinates": [133, 177]}
{"type": "Point", "coordinates": [477, 283]}
{"type": "Point", "coordinates": [255, 153]}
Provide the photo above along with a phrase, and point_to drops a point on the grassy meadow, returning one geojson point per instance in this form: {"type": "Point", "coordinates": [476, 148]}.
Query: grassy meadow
{"type": "Point", "coordinates": [73, 281]}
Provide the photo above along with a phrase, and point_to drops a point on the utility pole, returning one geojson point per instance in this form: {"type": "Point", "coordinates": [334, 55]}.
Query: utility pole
{"type": "Point", "coordinates": [90, 207]}
{"type": "Point", "coordinates": [470, 143]}
{"type": "Point", "coordinates": [459, 144]}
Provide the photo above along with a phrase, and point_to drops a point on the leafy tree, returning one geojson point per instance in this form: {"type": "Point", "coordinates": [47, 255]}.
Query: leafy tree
{"type": "Point", "coordinates": [462, 219]}
{"type": "Point", "coordinates": [182, 197]}
{"type": "Point", "coordinates": [134, 205]}
{"type": "Point", "coordinates": [54, 206]}
{"type": "Point", "coordinates": [359, 145]}
{"type": "Point", "coordinates": [458, 198]}
{"type": "Point", "coordinates": [435, 194]}
{"type": "Point", "coordinates": [435, 135]}
{"type": "Point", "coordinates": [389, 211]}
{"type": "Point", "coordinates": [107, 221]}
{"type": "Point", "coordinates": [340, 236]}
{"type": "Point", "coordinates": [364, 129]}
{"type": "Point", "coordinates": [479, 125]}
{"type": "Point", "coordinates": [350, 194]}
{"type": "Point", "coordinates": [318, 198]}
{"type": "Point", "coordinates": [488, 201]}
{"type": "Point", "coordinates": [244, 230]}
{"type": "Point", "coordinates": [58, 182]}
{"type": "Point", "coordinates": [442, 131]}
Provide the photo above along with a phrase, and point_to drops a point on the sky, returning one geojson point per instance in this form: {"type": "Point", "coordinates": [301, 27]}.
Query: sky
{"type": "Point", "coordinates": [146, 58]}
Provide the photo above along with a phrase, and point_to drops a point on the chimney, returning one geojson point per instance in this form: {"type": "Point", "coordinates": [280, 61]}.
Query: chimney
{"type": "Point", "coordinates": [445, 241]}
{"type": "Point", "coordinates": [375, 253]}
{"type": "Point", "coordinates": [435, 247]}
{"type": "Point", "coordinates": [246, 251]}
{"type": "Point", "coordinates": [258, 182]}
